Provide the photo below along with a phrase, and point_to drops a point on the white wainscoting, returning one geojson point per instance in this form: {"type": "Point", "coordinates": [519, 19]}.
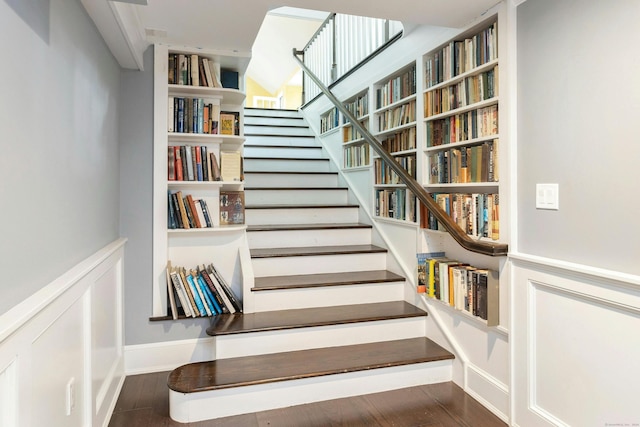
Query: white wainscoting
{"type": "Point", "coordinates": [576, 345]}
{"type": "Point", "coordinates": [61, 350]}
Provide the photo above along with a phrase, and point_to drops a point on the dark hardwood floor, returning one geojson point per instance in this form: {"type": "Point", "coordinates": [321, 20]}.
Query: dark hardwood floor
{"type": "Point", "coordinates": [144, 402]}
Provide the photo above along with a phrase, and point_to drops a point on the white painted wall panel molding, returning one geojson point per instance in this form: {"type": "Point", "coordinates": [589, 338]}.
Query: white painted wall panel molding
{"type": "Point", "coordinates": [488, 390]}
{"type": "Point", "coordinates": [61, 350]}
{"type": "Point", "coordinates": [575, 344]}
{"type": "Point", "coordinates": [166, 356]}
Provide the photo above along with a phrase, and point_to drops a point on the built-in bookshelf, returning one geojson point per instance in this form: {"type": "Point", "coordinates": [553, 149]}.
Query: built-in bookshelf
{"type": "Point", "coordinates": [356, 151]}
{"type": "Point", "coordinates": [394, 124]}
{"type": "Point", "coordinates": [461, 131]}
{"type": "Point", "coordinates": [198, 145]}
{"type": "Point", "coordinates": [330, 120]}
{"type": "Point", "coordinates": [470, 290]}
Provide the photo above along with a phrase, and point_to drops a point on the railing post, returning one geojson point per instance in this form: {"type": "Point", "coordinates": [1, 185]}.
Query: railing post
{"type": "Point", "coordinates": [334, 44]}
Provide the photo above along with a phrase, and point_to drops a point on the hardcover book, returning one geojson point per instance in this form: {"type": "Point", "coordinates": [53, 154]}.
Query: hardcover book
{"type": "Point", "coordinates": [231, 207]}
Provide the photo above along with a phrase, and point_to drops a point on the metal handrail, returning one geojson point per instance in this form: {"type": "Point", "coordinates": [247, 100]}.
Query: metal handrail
{"type": "Point", "coordinates": [464, 240]}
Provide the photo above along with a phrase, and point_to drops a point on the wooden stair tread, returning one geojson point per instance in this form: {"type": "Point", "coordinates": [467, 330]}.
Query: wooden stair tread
{"type": "Point", "coordinates": [296, 188]}
{"type": "Point", "coordinates": [325, 206]}
{"type": "Point", "coordinates": [275, 125]}
{"type": "Point", "coordinates": [314, 250]}
{"type": "Point", "coordinates": [230, 324]}
{"type": "Point", "coordinates": [302, 147]}
{"type": "Point", "coordinates": [275, 135]}
{"type": "Point", "coordinates": [270, 368]}
{"type": "Point", "coordinates": [270, 283]}
{"type": "Point", "coordinates": [314, 226]}
{"type": "Point", "coordinates": [315, 159]}
{"type": "Point", "coordinates": [291, 172]}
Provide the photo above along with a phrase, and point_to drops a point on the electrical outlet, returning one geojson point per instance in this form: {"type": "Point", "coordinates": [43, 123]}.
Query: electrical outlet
{"type": "Point", "coordinates": [71, 395]}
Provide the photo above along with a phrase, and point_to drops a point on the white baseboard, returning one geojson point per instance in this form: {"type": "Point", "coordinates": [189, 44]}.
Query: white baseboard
{"type": "Point", "coordinates": [166, 356]}
{"type": "Point", "coordinates": [490, 392]}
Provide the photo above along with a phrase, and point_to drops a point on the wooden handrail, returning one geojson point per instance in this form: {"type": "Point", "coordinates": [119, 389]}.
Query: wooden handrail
{"type": "Point", "coordinates": [463, 239]}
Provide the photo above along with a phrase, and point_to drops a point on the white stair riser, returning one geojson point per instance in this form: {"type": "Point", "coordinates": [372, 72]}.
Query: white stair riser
{"type": "Point", "coordinates": [283, 152]}
{"type": "Point", "coordinates": [271, 112]}
{"type": "Point", "coordinates": [301, 216]}
{"type": "Point", "coordinates": [265, 164]}
{"type": "Point", "coordinates": [284, 180]}
{"type": "Point", "coordinates": [280, 140]}
{"type": "Point", "coordinates": [287, 197]}
{"type": "Point", "coordinates": [287, 121]}
{"type": "Point", "coordinates": [276, 130]}
{"type": "Point", "coordinates": [327, 296]}
{"type": "Point", "coordinates": [316, 264]}
{"type": "Point", "coordinates": [192, 407]}
{"type": "Point", "coordinates": [240, 345]}
{"type": "Point", "coordinates": [327, 237]}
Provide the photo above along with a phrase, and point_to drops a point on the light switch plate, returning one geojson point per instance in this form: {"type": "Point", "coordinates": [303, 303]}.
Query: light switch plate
{"type": "Point", "coordinates": [547, 196]}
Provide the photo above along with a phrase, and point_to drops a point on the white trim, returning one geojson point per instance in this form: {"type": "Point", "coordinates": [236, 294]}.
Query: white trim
{"type": "Point", "coordinates": [489, 391]}
{"type": "Point", "coordinates": [20, 314]}
{"type": "Point", "coordinates": [166, 356]}
{"type": "Point", "coordinates": [579, 272]}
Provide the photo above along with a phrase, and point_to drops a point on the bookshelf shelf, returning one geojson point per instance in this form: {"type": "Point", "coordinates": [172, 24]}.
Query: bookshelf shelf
{"type": "Point", "coordinates": [198, 108]}
{"type": "Point", "coordinates": [466, 143]}
{"type": "Point", "coordinates": [477, 70]}
{"type": "Point", "coordinates": [227, 96]}
{"type": "Point", "coordinates": [465, 109]}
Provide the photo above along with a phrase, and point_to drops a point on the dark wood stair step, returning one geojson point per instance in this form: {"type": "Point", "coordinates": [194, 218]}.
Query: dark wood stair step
{"type": "Point", "coordinates": [272, 283]}
{"type": "Point", "coordinates": [310, 159]}
{"type": "Point", "coordinates": [315, 226]}
{"type": "Point", "coordinates": [276, 125]}
{"type": "Point", "coordinates": [301, 147]}
{"type": "Point", "coordinates": [348, 206]}
{"type": "Point", "coordinates": [230, 324]}
{"type": "Point", "coordinates": [315, 250]}
{"type": "Point", "coordinates": [277, 135]}
{"type": "Point", "coordinates": [290, 172]}
{"type": "Point", "coordinates": [270, 368]}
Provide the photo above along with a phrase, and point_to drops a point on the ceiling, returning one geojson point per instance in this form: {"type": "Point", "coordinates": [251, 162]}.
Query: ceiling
{"type": "Point", "coordinates": [130, 26]}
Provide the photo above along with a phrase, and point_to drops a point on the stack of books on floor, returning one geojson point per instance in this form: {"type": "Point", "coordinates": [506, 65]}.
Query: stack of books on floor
{"type": "Point", "coordinates": [199, 292]}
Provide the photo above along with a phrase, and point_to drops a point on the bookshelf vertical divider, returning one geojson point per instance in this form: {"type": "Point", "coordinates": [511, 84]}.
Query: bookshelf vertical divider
{"type": "Point", "coordinates": [211, 243]}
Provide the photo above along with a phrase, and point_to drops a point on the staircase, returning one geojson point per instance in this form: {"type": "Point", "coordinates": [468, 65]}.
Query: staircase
{"type": "Point", "coordinates": [325, 319]}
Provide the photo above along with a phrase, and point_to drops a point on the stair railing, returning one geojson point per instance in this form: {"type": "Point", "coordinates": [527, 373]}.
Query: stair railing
{"type": "Point", "coordinates": [463, 239]}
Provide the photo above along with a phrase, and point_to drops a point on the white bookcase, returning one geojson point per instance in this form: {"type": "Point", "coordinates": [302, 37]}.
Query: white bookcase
{"type": "Point", "coordinates": [223, 246]}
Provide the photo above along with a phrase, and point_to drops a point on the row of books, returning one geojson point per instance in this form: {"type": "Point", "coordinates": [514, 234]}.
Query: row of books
{"type": "Point", "coordinates": [462, 127]}
{"type": "Point", "coordinates": [199, 292]}
{"type": "Point", "coordinates": [398, 116]}
{"type": "Point", "coordinates": [466, 288]}
{"type": "Point", "coordinates": [329, 120]}
{"type": "Point", "coordinates": [185, 212]}
{"type": "Point", "coordinates": [461, 56]}
{"type": "Point", "coordinates": [383, 174]}
{"type": "Point", "coordinates": [400, 141]}
{"type": "Point", "coordinates": [478, 163]}
{"type": "Point", "coordinates": [397, 88]}
{"type": "Point", "coordinates": [356, 155]}
{"type": "Point", "coordinates": [198, 115]}
{"type": "Point", "coordinates": [467, 92]}
{"type": "Point", "coordinates": [477, 214]}
{"type": "Point", "coordinates": [394, 203]}
{"type": "Point", "coordinates": [359, 107]}
{"type": "Point", "coordinates": [199, 163]}
{"type": "Point", "coordinates": [349, 133]}
{"type": "Point", "coordinates": [193, 70]}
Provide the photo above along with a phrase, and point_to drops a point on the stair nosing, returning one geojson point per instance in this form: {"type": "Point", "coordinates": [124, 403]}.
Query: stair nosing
{"type": "Point", "coordinates": [291, 172]}
{"type": "Point", "coordinates": [314, 147]}
{"type": "Point", "coordinates": [310, 226]}
{"type": "Point", "coordinates": [277, 135]}
{"type": "Point", "coordinates": [276, 125]}
{"type": "Point", "coordinates": [286, 158]}
{"type": "Point", "coordinates": [313, 317]}
{"type": "Point", "coordinates": [296, 188]}
{"type": "Point", "coordinates": [325, 206]}
{"type": "Point", "coordinates": [268, 283]}
{"type": "Point", "coordinates": [425, 351]}
{"type": "Point", "coordinates": [262, 253]}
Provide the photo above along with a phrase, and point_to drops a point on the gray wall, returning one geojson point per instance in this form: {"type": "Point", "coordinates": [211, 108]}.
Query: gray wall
{"type": "Point", "coordinates": [58, 149]}
{"type": "Point", "coordinates": [136, 213]}
{"type": "Point", "coordinates": [578, 116]}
